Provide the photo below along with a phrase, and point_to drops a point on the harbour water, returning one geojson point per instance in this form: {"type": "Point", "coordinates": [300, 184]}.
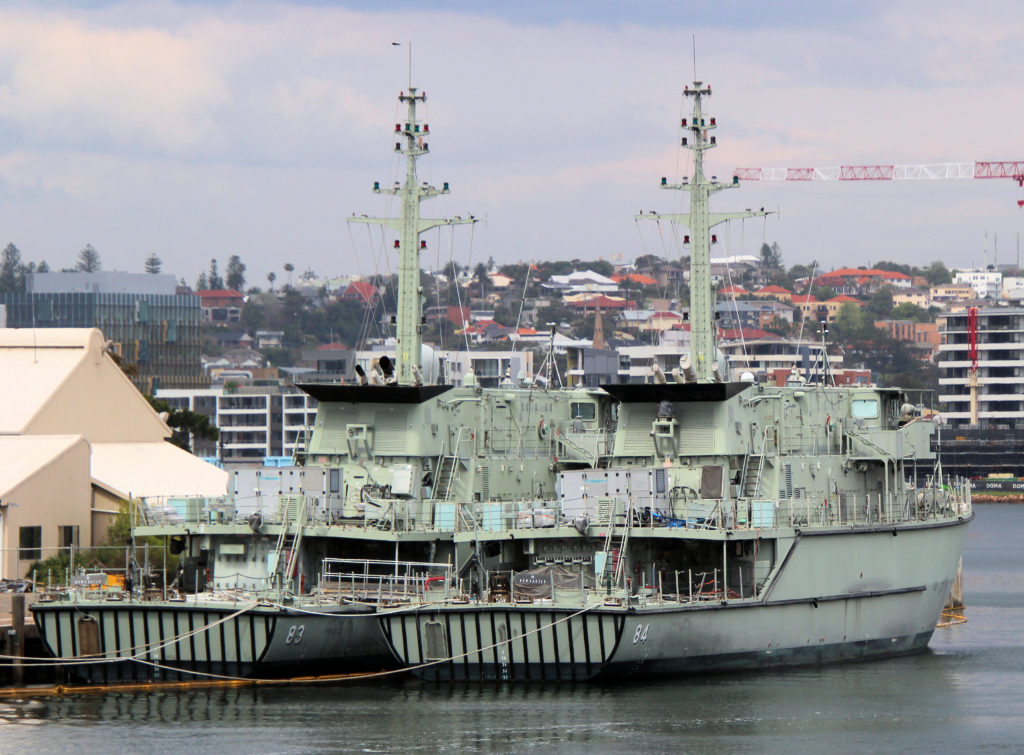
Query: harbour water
{"type": "Point", "coordinates": [967, 691]}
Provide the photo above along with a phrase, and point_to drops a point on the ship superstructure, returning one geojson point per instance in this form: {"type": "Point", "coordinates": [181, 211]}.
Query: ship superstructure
{"type": "Point", "coordinates": [529, 533]}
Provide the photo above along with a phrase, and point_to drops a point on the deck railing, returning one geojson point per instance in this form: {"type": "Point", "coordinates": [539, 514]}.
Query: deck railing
{"type": "Point", "coordinates": [683, 510]}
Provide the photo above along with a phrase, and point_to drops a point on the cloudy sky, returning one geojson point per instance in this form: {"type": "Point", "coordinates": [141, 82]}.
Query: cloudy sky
{"type": "Point", "coordinates": [203, 129]}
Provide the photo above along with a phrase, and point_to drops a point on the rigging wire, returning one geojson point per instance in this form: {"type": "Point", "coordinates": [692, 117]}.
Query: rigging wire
{"type": "Point", "coordinates": [522, 303]}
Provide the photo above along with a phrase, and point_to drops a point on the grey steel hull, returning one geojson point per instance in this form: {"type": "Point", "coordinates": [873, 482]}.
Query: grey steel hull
{"type": "Point", "coordinates": [504, 643]}
{"type": "Point", "coordinates": [840, 596]}
{"type": "Point", "coordinates": [111, 642]}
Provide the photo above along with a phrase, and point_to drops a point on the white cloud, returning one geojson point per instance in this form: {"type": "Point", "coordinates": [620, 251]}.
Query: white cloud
{"type": "Point", "coordinates": [200, 131]}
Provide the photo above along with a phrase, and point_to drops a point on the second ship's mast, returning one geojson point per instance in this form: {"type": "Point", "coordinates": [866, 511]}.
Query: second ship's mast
{"type": "Point", "coordinates": [412, 144]}
{"type": "Point", "coordinates": [700, 221]}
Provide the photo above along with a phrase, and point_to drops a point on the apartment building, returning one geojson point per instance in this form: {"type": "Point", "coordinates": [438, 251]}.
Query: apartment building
{"type": "Point", "coordinates": [256, 423]}
{"type": "Point", "coordinates": [1000, 368]}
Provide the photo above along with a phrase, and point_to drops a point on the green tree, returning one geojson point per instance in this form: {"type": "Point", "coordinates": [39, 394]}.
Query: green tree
{"type": "Point", "coordinates": [153, 264]}
{"type": "Point", "coordinates": [235, 273]}
{"type": "Point", "coordinates": [213, 279]}
{"type": "Point", "coordinates": [880, 304]}
{"type": "Point", "coordinates": [202, 284]}
{"type": "Point", "coordinates": [42, 267]}
{"type": "Point", "coordinates": [89, 260]}
{"type": "Point", "coordinates": [10, 265]}
{"type": "Point", "coordinates": [771, 257]}
{"type": "Point", "coordinates": [185, 424]}
{"type": "Point", "coordinates": [289, 268]}
{"type": "Point", "coordinates": [271, 277]}
{"type": "Point", "coordinates": [480, 276]}
{"type": "Point", "coordinates": [937, 274]}
{"type": "Point", "coordinates": [908, 311]}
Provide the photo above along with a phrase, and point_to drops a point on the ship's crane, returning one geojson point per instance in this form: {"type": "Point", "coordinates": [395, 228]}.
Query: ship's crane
{"type": "Point", "coordinates": [1012, 169]}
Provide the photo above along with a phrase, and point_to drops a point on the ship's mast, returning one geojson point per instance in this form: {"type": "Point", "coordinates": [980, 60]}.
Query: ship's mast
{"type": "Point", "coordinates": [700, 221]}
{"type": "Point", "coordinates": [412, 143]}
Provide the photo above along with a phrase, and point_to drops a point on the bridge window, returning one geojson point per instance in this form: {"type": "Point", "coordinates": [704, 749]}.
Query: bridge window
{"type": "Point", "coordinates": [864, 408]}
{"type": "Point", "coordinates": [583, 410]}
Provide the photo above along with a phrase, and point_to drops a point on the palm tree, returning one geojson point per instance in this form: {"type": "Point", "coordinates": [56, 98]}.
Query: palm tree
{"type": "Point", "coordinates": [271, 277]}
{"type": "Point", "coordinates": [288, 268]}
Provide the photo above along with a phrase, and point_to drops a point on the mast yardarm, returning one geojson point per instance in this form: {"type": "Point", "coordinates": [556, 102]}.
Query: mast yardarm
{"type": "Point", "coordinates": [700, 221]}
{"type": "Point", "coordinates": [412, 139]}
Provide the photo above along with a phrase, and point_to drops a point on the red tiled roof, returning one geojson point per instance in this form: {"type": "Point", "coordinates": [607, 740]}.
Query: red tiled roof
{"type": "Point", "coordinates": [643, 280]}
{"type": "Point", "coordinates": [848, 272]}
{"type": "Point", "coordinates": [365, 291]}
{"type": "Point", "coordinates": [734, 334]}
{"type": "Point", "coordinates": [773, 289]}
{"type": "Point", "coordinates": [219, 293]}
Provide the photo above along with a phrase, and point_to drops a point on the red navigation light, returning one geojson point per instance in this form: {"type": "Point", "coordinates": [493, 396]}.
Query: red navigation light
{"type": "Point", "coordinates": [684, 123]}
{"type": "Point", "coordinates": [714, 238]}
{"type": "Point", "coordinates": [426, 127]}
{"type": "Point", "coordinates": [686, 239]}
{"type": "Point", "coordinates": [423, 245]}
{"type": "Point", "coordinates": [398, 127]}
{"type": "Point", "coordinates": [712, 121]}
{"type": "Point", "coordinates": [397, 244]}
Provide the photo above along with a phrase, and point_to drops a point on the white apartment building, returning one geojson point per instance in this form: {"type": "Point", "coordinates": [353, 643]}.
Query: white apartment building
{"type": "Point", "coordinates": [1000, 368]}
{"type": "Point", "coordinates": [987, 284]}
{"type": "Point", "coordinates": [763, 356]}
{"type": "Point", "coordinates": [256, 423]}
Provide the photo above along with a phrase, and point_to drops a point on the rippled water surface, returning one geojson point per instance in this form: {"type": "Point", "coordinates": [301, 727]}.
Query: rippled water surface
{"type": "Point", "coordinates": [967, 692]}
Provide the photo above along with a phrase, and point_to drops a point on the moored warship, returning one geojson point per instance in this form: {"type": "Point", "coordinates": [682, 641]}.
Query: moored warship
{"type": "Point", "coordinates": [527, 532]}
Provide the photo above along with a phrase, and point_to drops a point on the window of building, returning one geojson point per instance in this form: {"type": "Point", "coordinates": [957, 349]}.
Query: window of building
{"type": "Point", "coordinates": [30, 543]}
{"type": "Point", "coordinates": [67, 536]}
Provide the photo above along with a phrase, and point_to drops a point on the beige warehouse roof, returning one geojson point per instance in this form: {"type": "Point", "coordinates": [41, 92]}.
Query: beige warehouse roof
{"type": "Point", "coordinates": [35, 363]}
{"type": "Point", "coordinates": [154, 470]}
{"type": "Point", "coordinates": [26, 455]}
{"type": "Point", "coordinates": [60, 380]}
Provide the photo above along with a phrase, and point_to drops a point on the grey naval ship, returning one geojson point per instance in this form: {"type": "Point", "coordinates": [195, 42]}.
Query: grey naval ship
{"type": "Point", "coordinates": [682, 525]}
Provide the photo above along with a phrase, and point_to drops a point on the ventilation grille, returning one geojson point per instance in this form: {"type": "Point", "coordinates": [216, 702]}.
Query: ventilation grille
{"type": "Point", "coordinates": [696, 429]}
{"type": "Point", "coordinates": [390, 434]}
{"type": "Point", "coordinates": [635, 426]}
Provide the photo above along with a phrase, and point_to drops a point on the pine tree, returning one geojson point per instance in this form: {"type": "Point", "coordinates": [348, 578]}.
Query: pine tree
{"type": "Point", "coordinates": [235, 273]}
{"type": "Point", "coordinates": [213, 279]}
{"type": "Point", "coordinates": [10, 264]}
{"type": "Point", "coordinates": [89, 260]}
{"type": "Point", "coordinates": [201, 283]}
{"type": "Point", "coordinates": [153, 264]}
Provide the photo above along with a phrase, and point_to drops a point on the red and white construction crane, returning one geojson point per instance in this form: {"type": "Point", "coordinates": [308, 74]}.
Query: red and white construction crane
{"type": "Point", "coordinates": [972, 354]}
{"type": "Point", "coordinates": [1012, 169]}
